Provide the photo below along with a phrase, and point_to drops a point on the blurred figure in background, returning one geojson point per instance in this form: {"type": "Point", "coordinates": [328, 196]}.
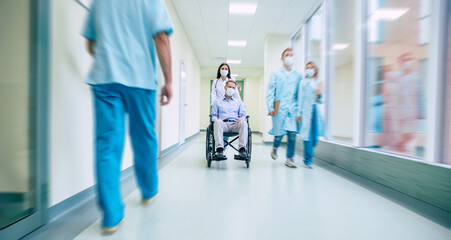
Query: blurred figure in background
{"type": "Point", "coordinates": [401, 107]}
{"type": "Point", "coordinates": [122, 37]}
{"type": "Point", "coordinates": [282, 105]}
{"type": "Point", "coordinates": [310, 119]}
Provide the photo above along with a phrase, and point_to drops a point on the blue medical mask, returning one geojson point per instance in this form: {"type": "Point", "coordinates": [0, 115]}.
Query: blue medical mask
{"type": "Point", "coordinates": [310, 72]}
{"type": "Point", "coordinates": [230, 92]}
{"type": "Point", "coordinates": [224, 72]}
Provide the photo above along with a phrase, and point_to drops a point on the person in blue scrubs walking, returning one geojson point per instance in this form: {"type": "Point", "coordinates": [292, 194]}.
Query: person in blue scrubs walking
{"type": "Point", "coordinates": [124, 38]}
{"type": "Point", "coordinates": [310, 119]}
{"type": "Point", "coordinates": [282, 88]}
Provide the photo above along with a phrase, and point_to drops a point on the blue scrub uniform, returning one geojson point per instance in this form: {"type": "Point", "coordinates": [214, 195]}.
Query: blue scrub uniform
{"type": "Point", "coordinates": [283, 86]}
{"type": "Point", "coordinates": [124, 80]}
{"type": "Point", "coordinates": [312, 122]}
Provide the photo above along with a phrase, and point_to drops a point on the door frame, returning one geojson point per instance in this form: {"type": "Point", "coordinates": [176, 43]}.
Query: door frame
{"type": "Point", "coordinates": [39, 90]}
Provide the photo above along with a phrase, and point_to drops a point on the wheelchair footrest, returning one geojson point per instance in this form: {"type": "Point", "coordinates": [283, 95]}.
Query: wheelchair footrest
{"type": "Point", "coordinates": [237, 157]}
{"type": "Point", "coordinates": [219, 159]}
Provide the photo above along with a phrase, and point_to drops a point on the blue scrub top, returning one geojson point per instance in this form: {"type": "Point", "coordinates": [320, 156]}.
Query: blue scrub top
{"type": "Point", "coordinates": [123, 33]}
{"type": "Point", "coordinates": [283, 86]}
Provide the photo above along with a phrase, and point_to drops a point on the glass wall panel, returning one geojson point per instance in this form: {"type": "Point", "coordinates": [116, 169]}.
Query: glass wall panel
{"type": "Point", "coordinates": [315, 48]}
{"type": "Point", "coordinates": [397, 58]}
{"type": "Point", "coordinates": [16, 111]}
{"type": "Point", "coordinates": [447, 132]}
{"type": "Point", "coordinates": [342, 31]}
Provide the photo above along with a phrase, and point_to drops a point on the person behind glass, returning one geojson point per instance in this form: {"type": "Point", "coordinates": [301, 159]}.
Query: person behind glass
{"type": "Point", "coordinates": [218, 85]}
{"type": "Point", "coordinates": [124, 81]}
{"type": "Point", "coordinates": [310, 119]}
{"type": "Point", "coordinates": [228, 114]}
{"type": "Point", "coordinates": [281, 93]}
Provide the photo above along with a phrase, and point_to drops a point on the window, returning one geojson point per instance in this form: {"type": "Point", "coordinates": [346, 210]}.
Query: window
{"type": "Point", "coordinates": [315, 49]}
{"type": "Point", "coordinates": [447, 129]}
{"type": "Point", "coordinates": [342, 60]}
{"type": "Point", "coordinates": [397, 56]}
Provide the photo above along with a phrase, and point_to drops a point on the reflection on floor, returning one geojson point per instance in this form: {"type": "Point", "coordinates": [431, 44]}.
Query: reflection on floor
{"type": "Point", "coordinates": [266, 201]}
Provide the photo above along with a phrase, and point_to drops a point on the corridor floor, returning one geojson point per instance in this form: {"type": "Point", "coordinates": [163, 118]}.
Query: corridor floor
{"type": "Point", "coordinates": [266, 201]}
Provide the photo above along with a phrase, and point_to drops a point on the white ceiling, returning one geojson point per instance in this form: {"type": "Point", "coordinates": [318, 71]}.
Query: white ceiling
{"type": "Point", "coordinates": [209, 26]}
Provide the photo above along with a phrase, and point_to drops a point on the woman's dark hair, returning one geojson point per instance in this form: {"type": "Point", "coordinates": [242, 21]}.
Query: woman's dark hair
{"type": "Point", "coordinates": [219, 70]}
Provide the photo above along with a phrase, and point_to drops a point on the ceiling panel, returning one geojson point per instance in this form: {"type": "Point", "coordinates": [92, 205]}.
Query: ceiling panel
{"type": "Point", "coordinates": [209, 26]}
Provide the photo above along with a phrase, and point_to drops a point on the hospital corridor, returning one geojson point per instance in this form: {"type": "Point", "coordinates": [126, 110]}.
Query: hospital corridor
{"type": "Point", "coordinates": [225, 120]}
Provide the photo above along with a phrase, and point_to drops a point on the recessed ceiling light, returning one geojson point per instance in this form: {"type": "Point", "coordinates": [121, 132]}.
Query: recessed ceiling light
{"type": "Point", "coordinates": [233, 61]}
{"type": "Point", "coordinates": [237, 43]}
{"type": "Point", "coordinates": [243, 8]}
{"type": "Point", "coordinates": [340, 46]}
{"type": "Point", "coordinates": [388, 14]}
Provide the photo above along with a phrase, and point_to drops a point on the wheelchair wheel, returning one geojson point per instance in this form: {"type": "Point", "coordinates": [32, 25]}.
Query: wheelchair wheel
{"type": "Point", "coordinates": [210, 142]}
{"type": "Point", "coordinates": [249, 146]}
{"type": "Point", "coordinates": [207, 144]}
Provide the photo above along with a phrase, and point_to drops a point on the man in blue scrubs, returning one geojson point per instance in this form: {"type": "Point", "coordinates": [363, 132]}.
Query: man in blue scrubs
{"type": "Point", "coordinates": [124, 38]}
{"type": "Point", "coordinates": [283, 88]}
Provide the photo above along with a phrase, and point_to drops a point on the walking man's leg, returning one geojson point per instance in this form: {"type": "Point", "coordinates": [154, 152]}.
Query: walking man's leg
{"type": "Point", "coordinates": [109, 143]}
{"type": "Point", "coordinates": [141, 107]}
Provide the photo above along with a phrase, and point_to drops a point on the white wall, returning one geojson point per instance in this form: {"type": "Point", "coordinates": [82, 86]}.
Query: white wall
{"type": "Point", "coordinates": [181, 50]}
{"type": "Point", "coordinates": [14, 92]}
{"type": "Point", "coordinates": [71, 126]}
{"type": "Point", "coordinates": [204, 103]}
{"type": "Point", "coordinates": [252, 93]}
{"type": "Point", "coordinates": [274, 46]}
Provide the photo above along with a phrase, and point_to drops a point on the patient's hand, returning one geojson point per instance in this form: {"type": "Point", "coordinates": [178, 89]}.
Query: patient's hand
{"type": "Point", "coordinates": [239, 120]}
{"type": "Point", "coordinates": [272, 113]}
{"type": "Point", "coordinates": [298, 118]}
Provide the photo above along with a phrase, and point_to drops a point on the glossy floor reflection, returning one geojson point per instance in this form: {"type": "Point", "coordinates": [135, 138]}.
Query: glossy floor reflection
{"type": "Point", "coordinates": [266, 201]}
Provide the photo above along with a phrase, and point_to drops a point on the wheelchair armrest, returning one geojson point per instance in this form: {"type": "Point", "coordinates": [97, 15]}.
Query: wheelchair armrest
{"type": "Point", "coordinates": [210, 118]}
{"type": "Point", "coordinates": [247, 119]}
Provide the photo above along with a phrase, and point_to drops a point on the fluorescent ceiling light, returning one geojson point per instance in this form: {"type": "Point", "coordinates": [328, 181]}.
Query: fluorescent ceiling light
{"type": "Point", "coordinates": [388, 14]}
{"type": "Point", "coordinates": [234, 61]}
{"type": "Point", "coordinates": [243, 8]}
{"type": "Point", "coordinates": [237, 43]}
{"type": "Point", "coordinates": [234, 75]}
{"type": "Point", "coordinates": [340, 46]}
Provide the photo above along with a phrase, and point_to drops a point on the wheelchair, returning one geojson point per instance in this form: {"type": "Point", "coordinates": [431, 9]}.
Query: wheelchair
{"type": "Point", "coordinates": [211, 149]}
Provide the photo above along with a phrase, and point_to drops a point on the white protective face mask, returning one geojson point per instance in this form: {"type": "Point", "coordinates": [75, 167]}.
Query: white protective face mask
{"type": "Point", "coordinates": [224, 72]}
{"type": "Point", "coordinates": [230, 92]}
{"type": "Point", "coordinates": [309, 72]}
{"type": "Point", "coordinates": [288, 61]}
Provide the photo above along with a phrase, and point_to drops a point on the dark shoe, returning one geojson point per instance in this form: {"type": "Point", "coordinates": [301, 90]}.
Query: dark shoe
{"type": "Point", "coordinates": [243, 153]}
{"type": "Point", "coordinates": [220, 153]}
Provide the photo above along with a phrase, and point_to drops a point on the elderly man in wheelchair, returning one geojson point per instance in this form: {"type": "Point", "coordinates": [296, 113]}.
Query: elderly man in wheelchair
{"type": "Point", "coordinates": [228, 117]}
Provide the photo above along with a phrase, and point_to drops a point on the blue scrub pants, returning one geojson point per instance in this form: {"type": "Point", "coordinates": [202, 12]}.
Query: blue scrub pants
{"type": "Point", "coordinates": [313, 139]}
{"type": "Point", "coordinates": [291, 135]}
{"type": "Point", "coordinates": [111, 103]}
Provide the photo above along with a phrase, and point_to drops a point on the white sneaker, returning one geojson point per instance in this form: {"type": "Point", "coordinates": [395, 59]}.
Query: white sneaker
{"type": "Point", "coordinates": [290, 163]}
{"type": "Point", "coordinates": [308, 166]}
{"type": "Point", "coordinates": [274, 153]}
